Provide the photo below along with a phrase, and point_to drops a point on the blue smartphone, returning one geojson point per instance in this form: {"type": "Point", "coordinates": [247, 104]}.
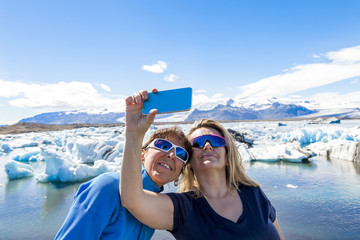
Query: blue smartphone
{"type": "Point", "coordinates": [167, 101]}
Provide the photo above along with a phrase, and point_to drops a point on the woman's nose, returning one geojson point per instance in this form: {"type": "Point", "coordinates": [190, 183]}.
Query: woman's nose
{"type": "Point", "coordinates": [207, 145]}
{"type": "Point", "coordinates": [171, 153]}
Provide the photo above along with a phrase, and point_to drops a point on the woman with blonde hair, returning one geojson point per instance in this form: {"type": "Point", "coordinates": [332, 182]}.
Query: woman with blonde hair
{"type": "Point", "coordinates": [218, 200]}
{"type": "Point", "coordinates": [235, 171]}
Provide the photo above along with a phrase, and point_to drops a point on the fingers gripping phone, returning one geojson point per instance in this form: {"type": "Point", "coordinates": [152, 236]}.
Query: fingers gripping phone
{"type": "Point", "coordinates": [167, 101]}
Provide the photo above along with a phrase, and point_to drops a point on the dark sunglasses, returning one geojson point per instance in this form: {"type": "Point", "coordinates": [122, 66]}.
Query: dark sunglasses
{"type": "Point", "coordinates": [214, 140]}
{"type": "Point", "coordinates": [165, 146]}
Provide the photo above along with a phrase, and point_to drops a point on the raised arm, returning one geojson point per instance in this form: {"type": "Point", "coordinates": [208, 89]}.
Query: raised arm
{"type": "Point", "coordinates": [276, 224]}
{"type": "Point", "coordinates": [152, 209]}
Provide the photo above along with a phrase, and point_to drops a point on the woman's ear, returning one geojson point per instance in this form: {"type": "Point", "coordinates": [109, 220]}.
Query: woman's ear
{"type": "Point", "coordinates": [191, 169]}
{"type": "Point", "coordinates": [182, 169]}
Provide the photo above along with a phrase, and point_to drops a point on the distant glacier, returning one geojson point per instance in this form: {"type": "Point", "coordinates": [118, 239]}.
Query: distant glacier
{"type": "Point", "coordinates": [226, 111]}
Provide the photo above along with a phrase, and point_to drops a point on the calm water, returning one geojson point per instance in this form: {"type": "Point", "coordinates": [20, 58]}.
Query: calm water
{"type": "Point", "coordinates": [321, 202]}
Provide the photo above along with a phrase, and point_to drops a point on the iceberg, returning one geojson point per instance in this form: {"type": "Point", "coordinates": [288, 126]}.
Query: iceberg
{"type": "Point", "coordinates": [88, 150]}
{"type": "Point", "coordinates": [5, 148]}
{"type": "Point", "coordinates": [18, 170]}
{"type": "Point", "coordinates": [61, 169]}
{"type": "Point", "coordinates": [338, 149]}
{"type": "Point", "coordinates": [83, 153]}
{"type": "Point", "coordinates": [28, 156]}
{"type": "Point", "coordinates": [285, 152]}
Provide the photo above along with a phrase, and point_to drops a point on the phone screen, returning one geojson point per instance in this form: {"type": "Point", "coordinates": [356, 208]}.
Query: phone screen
{"type": "Point", "coordinates": [169, 101]}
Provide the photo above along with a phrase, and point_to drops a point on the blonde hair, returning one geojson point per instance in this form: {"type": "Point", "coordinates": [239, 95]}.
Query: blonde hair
{"type": "Point", "coordinates": [235, 171]}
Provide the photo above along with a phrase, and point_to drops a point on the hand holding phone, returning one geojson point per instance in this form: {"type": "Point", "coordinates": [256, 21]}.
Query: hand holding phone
{"type": "Point", "coordinates": [167, 101]}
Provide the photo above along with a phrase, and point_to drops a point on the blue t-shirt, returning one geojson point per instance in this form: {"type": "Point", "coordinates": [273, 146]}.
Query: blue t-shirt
{"type": "Point", "coordinates": [97, 213]}
{"type": "Point", "coordinates": [195, 219]}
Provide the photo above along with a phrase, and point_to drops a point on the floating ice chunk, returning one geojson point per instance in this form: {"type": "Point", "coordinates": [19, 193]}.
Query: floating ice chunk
{"type": "Point", "coordinates": [244, 153]}
{"type": "Point", "coordinates": [6, 148]}
{"type": "Point", "coordinates": [88, 150]}
{"type": "Point", "coordinates": [119, 147]}
{"type": "Point", "coordinates": [339, 149]}
{"type": "Point", "coordinates": [60, 169]}
{"type": "Point", "coordinates": [18, 170]}
{"type": "Point", "coordinates": [55, 164]}
{"type": "Point", "coordinates": [20, 141]}
{"type": "Point", "coordinates": [291, 186]}
{"type": "Point", "coordinates": [114, 156]}
{"type": "Point", "coordinates": [286, 152]}
{"type": "Point", "coordinates": [28, 156]}
{"type": "Point", "coordinates": [343, 151]}
{"type": "Point", "coordinates": [324, 134]}
{"type": "Point", "coordinates": [30, 144]}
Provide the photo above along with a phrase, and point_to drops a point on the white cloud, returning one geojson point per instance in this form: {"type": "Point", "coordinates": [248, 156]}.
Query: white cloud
{"type": "Point", "coordinates": [11, 89]}
{"type": "Point", "coordinates": [355, 81]}
{"type": "Point", "coordinates": [159, 67]}
{"type": "Point", "coordinates": [218, 95]}
{"type": "Point", "coordinates": [200, 91]}
{"type": "Point", "coordinates": [345, 55]}
{"type": "Point", "coordinates": [62, 95]}
{"type": "Point", "coordinates": [105, 87]}
{"type": "Point", "coordinates": [203, 102]}
{"type": "Point", "coordinates": [336, 100]}
{"type": "Point", "coordinates": [344, 64]}
{"type": "Point", "coordinates": [171, 78]}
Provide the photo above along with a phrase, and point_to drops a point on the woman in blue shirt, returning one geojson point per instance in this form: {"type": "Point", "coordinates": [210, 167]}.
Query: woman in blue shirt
{"type": "Point", "coordinates": [218, 199]}
{"type": "Point", "coordinates": [97, 211]}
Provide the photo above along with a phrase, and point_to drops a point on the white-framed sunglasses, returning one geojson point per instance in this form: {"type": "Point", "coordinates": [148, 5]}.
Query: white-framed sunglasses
{"type": "Point", "coordinates": [165, 146]}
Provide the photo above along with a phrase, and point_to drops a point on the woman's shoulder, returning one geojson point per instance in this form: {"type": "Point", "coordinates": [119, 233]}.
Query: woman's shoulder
{"type": "Point", "coordinates": [109, 178]}
{"type": "Point", "coordinates": [252, 192]}
{"type": "Point", "coordinates": [183, 197]}
{"type": "Point", "coordinates": [243, 187]}
{"type": "Point", "coordinates": [105, 182]}
{"type": "Point", "coordinates": [188, 194]}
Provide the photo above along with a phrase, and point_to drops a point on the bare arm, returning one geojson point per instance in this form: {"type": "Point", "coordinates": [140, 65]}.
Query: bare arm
{"type": "Point", "coordinates": [276, 224]}
{"type": "Point", "coordinates": [152, 209]}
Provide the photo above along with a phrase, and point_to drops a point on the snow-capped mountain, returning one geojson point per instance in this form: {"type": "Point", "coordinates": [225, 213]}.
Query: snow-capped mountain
{"type": "Point", "coordinates": [76, 117]}
{"type": "Point", "coordinates": [274, 111]}
{"type": "Point", "coordinates": [224, 109]}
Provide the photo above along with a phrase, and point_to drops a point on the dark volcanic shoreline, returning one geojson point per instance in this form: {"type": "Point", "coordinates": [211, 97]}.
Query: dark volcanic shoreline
{"type": "Point", "coordinates": [38, 127]}
{"type": "Point", "coordinates": [22, 127]}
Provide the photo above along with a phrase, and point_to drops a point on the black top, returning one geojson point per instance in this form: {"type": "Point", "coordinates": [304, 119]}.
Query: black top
{"type": "Point", "coordinates": [195, 219]}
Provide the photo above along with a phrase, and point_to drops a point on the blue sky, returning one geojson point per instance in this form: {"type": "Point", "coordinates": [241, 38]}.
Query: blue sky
{"type": "Point", "coordinates": [71, 55]}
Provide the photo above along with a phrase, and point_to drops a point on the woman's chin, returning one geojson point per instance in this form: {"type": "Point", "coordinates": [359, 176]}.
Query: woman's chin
{"type": "Point", "coordinates": [207, 162]}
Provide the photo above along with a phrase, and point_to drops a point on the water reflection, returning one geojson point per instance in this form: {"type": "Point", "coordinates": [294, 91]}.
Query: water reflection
{"type": "Point", "coordinates": [325, 189]}
{"type": "Point", "coordinates": [357, 167]}
{"type": "Point", "coordinates": [348, 167]}
{"type": "Point", "coordinates": [284, 164]}
{"type": "Point", "coordinates": [13, 185]}
{"type": "Point", "coordinates": [56, 196]}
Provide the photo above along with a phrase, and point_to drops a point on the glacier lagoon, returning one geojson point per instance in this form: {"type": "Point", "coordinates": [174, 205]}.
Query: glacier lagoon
{"type": "Point", "coordinates": [315, 199]}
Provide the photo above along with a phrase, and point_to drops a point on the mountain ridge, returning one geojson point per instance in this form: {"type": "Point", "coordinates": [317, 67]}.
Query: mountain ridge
{"type": "Point", "coordinates": [228, 110]}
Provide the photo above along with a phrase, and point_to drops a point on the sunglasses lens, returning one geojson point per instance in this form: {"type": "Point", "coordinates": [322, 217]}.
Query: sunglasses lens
{"type": "Point", "coordinates": [214, 140]}
{"type": "Point", "coordinates": [165, 146]}
{"type": "Point", "coordinates": [197, 143]}
{"type": "Point", "coordinates": [217, 141]}
{"type": "Point", "coordinates": [162, 144]}
{"type": "Point", "coordinates": [182, 154]}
